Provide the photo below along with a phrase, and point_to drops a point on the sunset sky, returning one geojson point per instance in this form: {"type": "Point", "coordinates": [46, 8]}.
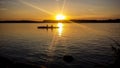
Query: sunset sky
{"type": "Point", "coordinates": [48, 9]}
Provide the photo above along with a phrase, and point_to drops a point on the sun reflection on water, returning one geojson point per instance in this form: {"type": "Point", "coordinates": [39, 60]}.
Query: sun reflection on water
{"type": "Point", "coordinates": [60, 30]}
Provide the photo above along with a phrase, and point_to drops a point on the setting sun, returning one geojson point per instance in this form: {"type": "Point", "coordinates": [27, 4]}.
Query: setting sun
{"type": "Point", "coordinates": [60, 17]}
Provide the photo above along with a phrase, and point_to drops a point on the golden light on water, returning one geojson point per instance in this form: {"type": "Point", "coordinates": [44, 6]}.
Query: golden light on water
{"type": "Point", "coordinates": [60, 17]}
{"type": "Point", "coordinates": [60, 30]}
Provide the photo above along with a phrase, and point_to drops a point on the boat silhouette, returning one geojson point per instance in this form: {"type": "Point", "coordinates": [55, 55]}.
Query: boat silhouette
{"type": "Point", "coordinates": [47, 27]}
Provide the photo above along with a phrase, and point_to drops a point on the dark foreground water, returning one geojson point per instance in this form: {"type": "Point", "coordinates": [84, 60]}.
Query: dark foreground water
{"type": "Point", "coordinates": [89, 44]}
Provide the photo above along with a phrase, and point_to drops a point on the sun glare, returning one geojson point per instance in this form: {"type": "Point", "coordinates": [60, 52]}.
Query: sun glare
{"type": "Point", "coordinates": [60, 25]}
{"type": "Point", "coordinates": [60, 17]}
{"type": "Point", "coordinates": [60, 30]}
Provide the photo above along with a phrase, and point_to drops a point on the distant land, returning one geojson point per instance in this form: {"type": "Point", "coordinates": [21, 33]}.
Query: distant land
{"type": "Point", "coordinates": [64, 21]}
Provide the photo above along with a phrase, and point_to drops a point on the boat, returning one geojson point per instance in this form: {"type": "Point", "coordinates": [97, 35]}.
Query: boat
{"type": "Point", "coordinates": [46, 27]}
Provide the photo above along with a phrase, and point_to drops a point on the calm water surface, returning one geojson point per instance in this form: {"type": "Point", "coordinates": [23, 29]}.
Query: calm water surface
{"type": "Point", "coordinates": [89, 44]}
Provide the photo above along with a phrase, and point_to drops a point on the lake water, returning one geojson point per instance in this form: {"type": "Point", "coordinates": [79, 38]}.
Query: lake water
{"type": "Point", "coordinates": [89, 43]}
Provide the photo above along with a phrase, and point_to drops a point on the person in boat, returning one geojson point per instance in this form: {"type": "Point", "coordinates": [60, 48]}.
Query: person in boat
{"type": "Point", "coordinates": [51, 26]}
{"type": "Point", "coordinates": [46, 25]}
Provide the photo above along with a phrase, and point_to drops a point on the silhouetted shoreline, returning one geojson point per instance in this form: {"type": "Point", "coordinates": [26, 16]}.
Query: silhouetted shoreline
{"type": "Point", "coordinates": [98, 21]}
{"type": "Point", "coordinates": [64, 21]}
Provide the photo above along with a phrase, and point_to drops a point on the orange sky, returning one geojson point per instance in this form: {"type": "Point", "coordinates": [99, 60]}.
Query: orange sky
{"type": "Point", "coordinates": [47, 9]}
